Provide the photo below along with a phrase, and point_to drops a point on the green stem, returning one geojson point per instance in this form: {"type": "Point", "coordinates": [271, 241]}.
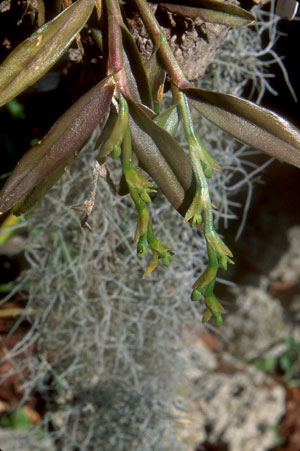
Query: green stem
{"type": "Point", "coordinates": [126, 148]}
{"type": "Point", "coordinates": [202, 190]}
{"type": "Point", "coordinates": [200, 159]}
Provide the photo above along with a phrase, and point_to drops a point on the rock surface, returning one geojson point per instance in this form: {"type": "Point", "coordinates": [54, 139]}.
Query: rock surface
{"type": "Point", "coordinates": [226, 402]}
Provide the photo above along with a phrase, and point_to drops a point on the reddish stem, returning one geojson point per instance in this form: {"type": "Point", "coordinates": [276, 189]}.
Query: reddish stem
{"type": "Point", "coordinates": [160, 41]}
{"type": "Point", "coordinates": [115, 46]}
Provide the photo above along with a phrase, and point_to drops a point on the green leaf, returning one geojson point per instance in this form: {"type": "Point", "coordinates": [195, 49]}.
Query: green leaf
{"type": "Point", "coordinates": [249, 123]}
{"type": "Point", "coordinates": [206, 277]}
{"type": "Point", "coordinates": [7, 229]}
{"type": "Point", "coordinates": [37, 54]}
{"type": "Point", "coordinates": [117, 131]}
{"type": "Point", "coordinates": [168, 120]}
{"type": "Point", "coordinates": [217, 243]}
{"type": "Point", "coordinates": [61, 143]}
{"type": "Point", "coordinates": [151, 159]}
{"type": "Point", "coordinates": [214, 305]}
{"type": "Point", "coordinates": [108, 127]}
{"type": "Point", "coordinates": [211, 11]}
{"type": "Point", "coordinates": [165, 145]}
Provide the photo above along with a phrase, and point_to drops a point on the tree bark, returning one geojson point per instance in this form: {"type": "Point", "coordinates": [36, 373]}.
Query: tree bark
{"type": "Point", "coordinates": [194, 42]}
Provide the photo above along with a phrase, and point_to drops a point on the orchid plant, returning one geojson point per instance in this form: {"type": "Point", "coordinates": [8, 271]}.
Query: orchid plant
{"type": "Point", "coordinates": [136, 130]}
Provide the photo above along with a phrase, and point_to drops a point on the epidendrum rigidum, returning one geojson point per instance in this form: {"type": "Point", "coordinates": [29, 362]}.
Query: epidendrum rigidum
{"type": "Point", "coordinates": [136, 130]}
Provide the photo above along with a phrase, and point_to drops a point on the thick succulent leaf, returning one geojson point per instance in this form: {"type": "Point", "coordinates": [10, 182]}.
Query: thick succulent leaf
{"type": "Point", "coordinates": [62, 142]}
{"type": "Point", "coordinates": [38, 192]}
{"type": "Point", "coordinates": [214, 11]}
{"type": "Point", "coordinates": [152, 157]}
{"type": "Point", "coordinates": [135, 71]}
{"type": "Point", "coordinates": [286, 8]}
{"type": "Point", "coordinates": [37, 54]}
{"type": "Point", "coordinates": [155, 164]}
{"type": "Point", "coordinates": [173, 153]}
{"type": "Point", "coordinates": [249, 123]}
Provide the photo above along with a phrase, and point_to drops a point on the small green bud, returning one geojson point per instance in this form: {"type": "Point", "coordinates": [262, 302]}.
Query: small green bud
{"type": "Point", "coordinates": [116, 151]}
{"type": "Point", "coordinates": [196, 295]}
{"type": "Point", "coordinates": [197, 219]}
{"type": "Point", "coordinates": [135, 179]}
{"type": "Point", "coordinates": [142, 249]}
{"type": "Point", "coordinates": [166, 261]}
{"type": "Point", "coordinates": [223, 262]}
{"type": "Point", "coordinates": [166, 257]}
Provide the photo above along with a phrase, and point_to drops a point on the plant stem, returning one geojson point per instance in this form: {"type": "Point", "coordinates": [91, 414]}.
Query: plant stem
{"type": "Point", "coordinates": [160, 42]}
{"type": "Point", "coordinates": [115, 46]}
{"type": "Point", "coordinates": [201, 183]}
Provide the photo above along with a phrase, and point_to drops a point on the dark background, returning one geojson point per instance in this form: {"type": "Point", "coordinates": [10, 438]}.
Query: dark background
{"type": "Point", "coordinates": [275, 205]}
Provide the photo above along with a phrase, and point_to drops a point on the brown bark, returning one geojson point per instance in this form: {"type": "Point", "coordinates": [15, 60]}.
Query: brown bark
{"type": "Point", "coordinates": [194, 42]}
